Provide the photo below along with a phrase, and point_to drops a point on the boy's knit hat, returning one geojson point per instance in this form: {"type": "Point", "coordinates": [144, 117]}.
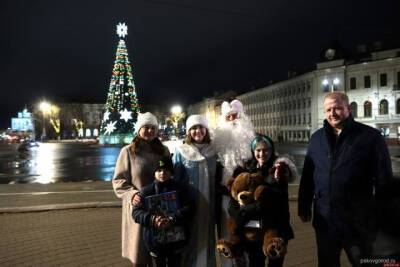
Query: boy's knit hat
{"type": "Point", "coordinates": [165, 163]}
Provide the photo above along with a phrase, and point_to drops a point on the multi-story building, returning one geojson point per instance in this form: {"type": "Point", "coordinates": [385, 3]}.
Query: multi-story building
{"type": "Point", "coordinates": [23, 125]}
{"type": "Point", "coordinates": [292, 109]}
{"type": "Point", "coordinates": [282, 110]}
{"type": "Point", "coordinates": [210, 107]}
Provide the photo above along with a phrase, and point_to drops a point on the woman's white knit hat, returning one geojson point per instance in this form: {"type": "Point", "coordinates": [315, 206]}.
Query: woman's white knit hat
{"type": "Point", "coordinates": [145, 119]}
{"type": "Point", "coordinates": [196, 120]}
{"type": "Point", "coordinates": [234, 107]}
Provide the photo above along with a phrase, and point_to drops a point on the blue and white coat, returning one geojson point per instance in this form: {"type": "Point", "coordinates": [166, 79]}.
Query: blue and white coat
{"type": "Point", "coordinates": [197, 167]}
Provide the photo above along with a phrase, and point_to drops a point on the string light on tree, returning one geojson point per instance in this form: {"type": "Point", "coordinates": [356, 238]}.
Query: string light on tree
{"type": "Point", "coordinates": [122, 104]}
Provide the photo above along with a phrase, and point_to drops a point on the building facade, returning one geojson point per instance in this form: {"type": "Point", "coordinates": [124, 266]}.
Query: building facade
{"type": "Point", "coordinates": [282, 110]}
{"type": "Point", "coordinates": [292, 109]}
{"type": "Point", "coordinates": [80, 120]}
{"type": "Point", "coordinates": [211, 107]}
{"type": "Point", "coordinates": [23, 125]}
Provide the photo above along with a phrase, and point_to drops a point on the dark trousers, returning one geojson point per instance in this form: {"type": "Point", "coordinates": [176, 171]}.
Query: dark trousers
{"type": "Point", "coordinates": [163, 259]}
{"type": "Point", "coordinates": [329, 247]}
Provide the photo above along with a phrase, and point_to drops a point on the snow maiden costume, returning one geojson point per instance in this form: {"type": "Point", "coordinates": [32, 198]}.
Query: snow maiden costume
{"type": "Point", "coordinates": [195, 164]}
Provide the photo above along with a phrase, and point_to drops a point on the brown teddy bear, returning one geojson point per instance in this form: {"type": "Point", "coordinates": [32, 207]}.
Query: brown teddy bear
{"type": "Point", "coordinates": [258, 207]}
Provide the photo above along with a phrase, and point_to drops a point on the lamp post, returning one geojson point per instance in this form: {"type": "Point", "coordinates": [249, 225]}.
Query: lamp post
{"type": "Point", "coordinates": [176, 116]}
{"type": "Point", "coordinates": [45, 108]}
{"type": "Point", "coordinates": [330, 85]}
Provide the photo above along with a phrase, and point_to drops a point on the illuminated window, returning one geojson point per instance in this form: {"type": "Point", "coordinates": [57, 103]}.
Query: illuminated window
{"type": "Point", "coordinates": [383, 107]}
{"type": "Point", "coordinates": [367, 109]}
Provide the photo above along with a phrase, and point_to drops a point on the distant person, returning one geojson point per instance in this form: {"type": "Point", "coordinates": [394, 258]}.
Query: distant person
{"type": "Point", "coordinates": [165, 233]}
{"type": "Point", "coordinates": [346, 162]}
{"type": "Point", "coordinates": [195, 164]}
{"type": "Point", "coordinates": [133, 171]}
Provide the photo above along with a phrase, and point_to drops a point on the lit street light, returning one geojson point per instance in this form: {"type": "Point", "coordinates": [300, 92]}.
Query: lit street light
{"type": "Point", "coordinates": [330, 85]}
{"type": "Point", "coordinates": [45, 108]}
{"type": "Point", "coordinates": [176, 116]}
{"type": "Point", "coordinates": [176, 109]}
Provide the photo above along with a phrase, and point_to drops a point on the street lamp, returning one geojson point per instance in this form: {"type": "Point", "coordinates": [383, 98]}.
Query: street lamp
{"type": "Point", "coordinates": [176, 109]}
{"type": "Point", "coordinates": [176, 116]}
{"type": "Point", "coordinates": [330, 85]}
{"type": "Point", "coordinates": [45, 108]}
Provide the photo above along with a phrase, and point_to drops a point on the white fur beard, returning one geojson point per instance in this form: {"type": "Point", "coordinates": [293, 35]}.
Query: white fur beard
{"type": "Point", "coordinates": [232, 143]}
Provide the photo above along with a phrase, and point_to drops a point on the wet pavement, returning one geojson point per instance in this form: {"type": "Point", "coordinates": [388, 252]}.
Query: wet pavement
{"type": "Point", "coordinates": [84, 236]}
{"type": "Point", "coordinates": [76, 162]}
{"type": "Point", "coordinates": [57, 208]}
{"type": "Point", "coordinates": [57, 162]}
{"type": "Point", "coordinates": [33, 197]}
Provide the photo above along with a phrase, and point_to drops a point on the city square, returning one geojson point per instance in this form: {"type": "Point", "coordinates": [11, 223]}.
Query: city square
{"type": "Point", "coordinates": [218, 89]}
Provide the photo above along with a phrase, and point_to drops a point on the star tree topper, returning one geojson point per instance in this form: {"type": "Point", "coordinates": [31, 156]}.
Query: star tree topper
{"type": "Point", "coordinates": [126, 115]}
{"type": "Point", "coordinates": [122, 30]}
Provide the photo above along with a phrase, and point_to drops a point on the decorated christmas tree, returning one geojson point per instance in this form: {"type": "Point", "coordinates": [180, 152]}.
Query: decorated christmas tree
{"type": "Point", "coordinates": [122, 107]}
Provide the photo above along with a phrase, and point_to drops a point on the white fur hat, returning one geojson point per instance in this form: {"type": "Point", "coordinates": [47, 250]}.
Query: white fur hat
{"type": "Point", "coordinates": [234, 107]}
{"type": "Point", "coordinates": [145, 119]}
{"type": "Point", "coordinates": [196, 120]}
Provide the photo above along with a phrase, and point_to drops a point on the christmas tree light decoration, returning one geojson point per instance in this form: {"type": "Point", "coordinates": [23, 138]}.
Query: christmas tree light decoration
{"type": "Point", "coordinates": [122, 30]}
{"type": "Point", "coordinates": [106, 116]}
{"type": "Point", "coordinates": [126, 115]}
{"type": "Point", "coordinates": [110, 127]}
{"type": "Point", "coordinates": [122, 106]}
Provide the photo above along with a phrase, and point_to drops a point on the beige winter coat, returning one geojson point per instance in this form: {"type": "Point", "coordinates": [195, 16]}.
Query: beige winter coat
{"type": "Point", "coordinates": [132, 172]}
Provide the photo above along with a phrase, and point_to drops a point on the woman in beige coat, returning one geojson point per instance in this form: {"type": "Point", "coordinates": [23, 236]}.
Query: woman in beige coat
{"type": "Point", "coordinates": [133, 170]}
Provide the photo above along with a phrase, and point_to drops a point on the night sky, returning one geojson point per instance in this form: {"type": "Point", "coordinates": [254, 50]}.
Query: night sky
{"type": "Point", "coordinates": [180, 50]}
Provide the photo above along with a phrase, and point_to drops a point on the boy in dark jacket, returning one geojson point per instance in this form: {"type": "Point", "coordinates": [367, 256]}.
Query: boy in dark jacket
{"type": "Point", "coordinates": [164, 211]}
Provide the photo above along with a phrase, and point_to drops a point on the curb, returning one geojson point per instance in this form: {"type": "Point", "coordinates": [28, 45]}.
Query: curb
{"type": "Point", "coordinates": [84, 205]}
{"type": "Point", "coordinates": [111, 204]}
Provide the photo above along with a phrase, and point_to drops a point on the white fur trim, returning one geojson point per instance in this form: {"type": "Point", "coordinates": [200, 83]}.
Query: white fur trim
{"type": "Point", "coordinates": [234, 107]}
{"type": "Point", "coordinates": [196, 120]}
{"type": "Point", "coordinates": [191, 153]}
{"type": "Point", "coordinates": [145, 119]}
{"type": "Point", "coordinates": [292, 167]}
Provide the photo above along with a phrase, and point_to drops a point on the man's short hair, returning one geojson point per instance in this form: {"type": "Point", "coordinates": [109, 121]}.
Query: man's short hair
{"type": "Point", "coordinates": [337, 95]}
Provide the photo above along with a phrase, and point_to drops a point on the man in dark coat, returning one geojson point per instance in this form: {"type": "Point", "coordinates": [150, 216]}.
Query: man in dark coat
{"type": "Point", "coordinates": [346, 164]}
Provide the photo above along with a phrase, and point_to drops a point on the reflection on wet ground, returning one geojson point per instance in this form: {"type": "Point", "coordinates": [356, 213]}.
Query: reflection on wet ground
{"type": "Point", "coordinates": [57, 162]}
{"type": "Point", "coordinates": [74, 162]}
